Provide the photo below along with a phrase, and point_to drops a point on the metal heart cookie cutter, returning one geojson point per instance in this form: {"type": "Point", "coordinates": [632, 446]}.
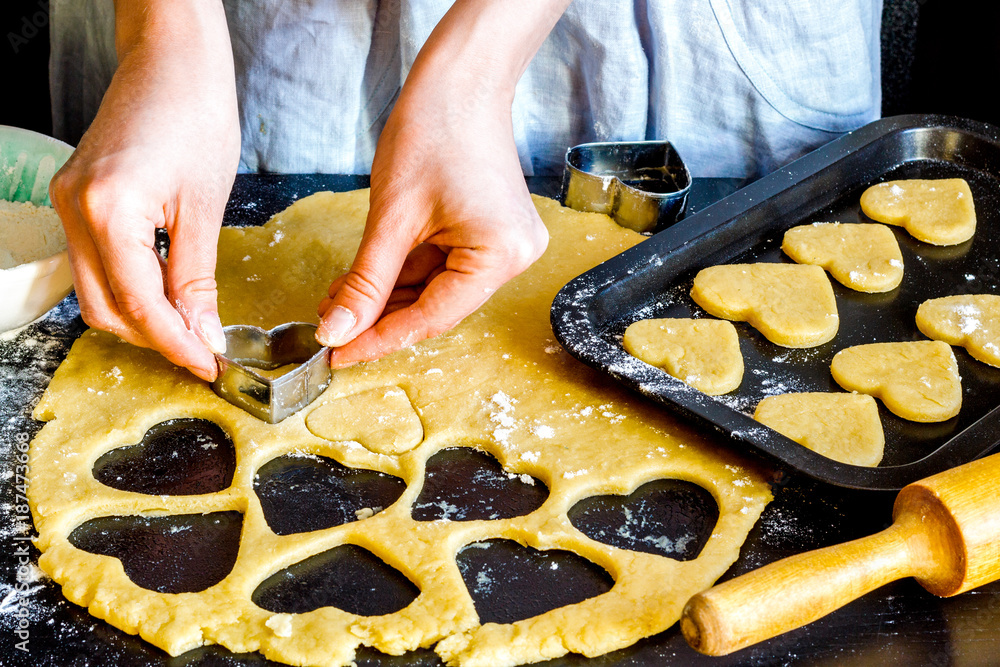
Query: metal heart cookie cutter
{"type": "Point", "coordinates": [251, 352]}
{"type": "Point", "coordinates": [643, 185]}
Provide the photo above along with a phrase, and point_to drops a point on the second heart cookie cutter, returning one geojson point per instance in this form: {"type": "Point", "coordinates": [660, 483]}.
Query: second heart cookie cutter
{"type": "Point", "coordinates": [251, 352]}
{"type": "Point", "coordinates": [643, 185]}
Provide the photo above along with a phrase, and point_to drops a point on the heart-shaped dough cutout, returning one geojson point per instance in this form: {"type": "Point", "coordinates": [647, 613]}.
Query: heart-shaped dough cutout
{"type": "Point", "coordinates": [511, 582]}
{"type": "Point", "coordinates": [864, 257]}
{"type": "Point", "coordinates": [702, 353]}
{"type": "Point", "coordinates": [300, 494]}
{"type": "Point", "coordinates": [666, 517]}
{"type": "Point", "coordinates": [178, 457]}
{"type": "Point", "coordinates": [916, 380]}
{"type": "Point", "coordinates": [383, 420]}
{"type": "Point", "coordinates": [938, 211]}
{"type": "Point", "coordinates": [842, 427]}
{"type": "Point", "coordinates": [791, 304]}
{"type": "Point", "coordinates": [971, 321]}
{"type": "Point", "coordinates": [465, 484]}
{"type": "Point", "coordinates": [179, 553]}
{"type": "Point", "coordinates": [346, 577]}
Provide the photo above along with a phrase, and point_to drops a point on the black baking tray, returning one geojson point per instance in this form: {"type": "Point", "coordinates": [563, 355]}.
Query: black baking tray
{"type": "Point", "coordinates": [654, 279]}
{"type": "Point", "coordinates": [900, 625]}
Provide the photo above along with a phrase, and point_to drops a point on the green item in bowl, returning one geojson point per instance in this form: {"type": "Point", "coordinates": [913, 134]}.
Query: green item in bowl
{"type": "Point", "coordinates": [27, 162]}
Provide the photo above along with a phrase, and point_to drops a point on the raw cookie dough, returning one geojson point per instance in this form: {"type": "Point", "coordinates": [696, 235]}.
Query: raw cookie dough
{"type": "Point", "coordinates": [940, 212]}
{"type": "Point", "coordinates": [864, 257]}
{"type": "Point", "coordinates": [791, 304]}
{"type": "Point", "coordinates": [971, 321]}
{"type": "Point", "coordinates": [498, 381]}
{"type": "Point", "coordinates": [842, 427]}
{"type": "Point", "coordinates": [395, 428]}
{"type": "Point", "coordinates": [702, 353]}
{"type": "Point", "coordinates": [916, 380]}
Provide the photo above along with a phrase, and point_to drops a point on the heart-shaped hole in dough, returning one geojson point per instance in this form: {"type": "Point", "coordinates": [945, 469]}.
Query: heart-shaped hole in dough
{"type": "Point", "coordinates": [347, 577]}
{"type": "Point", "coordinates": [465, 484]}
{"type": "Point", "coordinates": [666, 517]}
{"type": "Point", "coordinates": [509, 582]}
{"type": "Point", "coordinates": [179, 457]}
{"type": "Point", "coordinates": [299, 494]}
{"type": "Point", "coordinates": [182, 553]}
{"type": "Point", "coordinates": [791, 304]}
{"type": "Point", "coordinates": [935, 211]}
{"type": "Point", "coordinates": [916, 380]}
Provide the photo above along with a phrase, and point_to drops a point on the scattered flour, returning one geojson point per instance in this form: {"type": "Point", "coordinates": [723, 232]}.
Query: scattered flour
{"type": "Point", "coordinates": [542, 431]}
{"type": "Point", "coordinates": [969, 317]}
{"type": "Point", "coordinates": [503, 417]}
{"type": "Point", "coordinates": [27, 362]}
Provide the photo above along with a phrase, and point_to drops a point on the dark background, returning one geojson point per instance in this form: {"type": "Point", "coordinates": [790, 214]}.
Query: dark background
{"type": "Point", "coordinates": [938, 56]}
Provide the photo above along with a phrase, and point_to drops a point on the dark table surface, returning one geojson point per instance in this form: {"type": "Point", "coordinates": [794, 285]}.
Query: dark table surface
{"type": "Point", "coordinates": [900, 624]}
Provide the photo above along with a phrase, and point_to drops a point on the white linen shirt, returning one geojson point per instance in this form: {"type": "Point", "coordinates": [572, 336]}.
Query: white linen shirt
{"type": "Point", "coordinates": [740, 87]}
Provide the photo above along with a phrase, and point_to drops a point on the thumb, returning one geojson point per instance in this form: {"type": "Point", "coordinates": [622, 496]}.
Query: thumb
{"type": "Point", "coordinates": [358, 298]}
{"type": "Point", "coordinates": [191, 283]}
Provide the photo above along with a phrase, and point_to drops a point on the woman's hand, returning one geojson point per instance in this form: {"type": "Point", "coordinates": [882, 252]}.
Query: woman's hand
{"type": "Point", "coordinates": [161, 153]}
{"type": "Point", "coordinates": [451, 219]}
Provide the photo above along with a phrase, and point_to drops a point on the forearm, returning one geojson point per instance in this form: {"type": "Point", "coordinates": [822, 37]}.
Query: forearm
{"type": "Point", "coordinates": [172, 55]}
{"type": "Point", "coordinates": [173, 25]}
{"type": "Point", "coordinates": [490, 41]}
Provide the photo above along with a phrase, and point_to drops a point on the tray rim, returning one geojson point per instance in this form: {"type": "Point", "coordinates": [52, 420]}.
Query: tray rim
{"type": "Point", "coordinates": [575, 324]}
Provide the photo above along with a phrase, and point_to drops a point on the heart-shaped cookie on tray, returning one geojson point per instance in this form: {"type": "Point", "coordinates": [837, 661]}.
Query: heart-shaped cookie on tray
{"type": "Point", "coordinates": [937, 211]}
{"type": "Point", "coordinates": [971, 321]}
{"type": "Point", "coordinates": [702, 353]}
{"type": "Point", "coordinates": [791, 304]}
{"type": "Point", "coordinates": [916, 380]}
{"type": "Point", "coordinates": [842, 427]}
{"type": "Point", "coordinates": [863, 257]}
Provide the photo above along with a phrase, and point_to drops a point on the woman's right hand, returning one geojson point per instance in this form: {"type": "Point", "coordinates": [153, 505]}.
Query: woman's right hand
{"type": "Point", "coordinates": [161, 153]}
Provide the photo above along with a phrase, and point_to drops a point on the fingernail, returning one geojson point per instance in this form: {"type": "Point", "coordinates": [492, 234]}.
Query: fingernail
{"type": "Point", "coordinates": [338, 323]}
{"type": "Point", "coordinates": [211, 329]}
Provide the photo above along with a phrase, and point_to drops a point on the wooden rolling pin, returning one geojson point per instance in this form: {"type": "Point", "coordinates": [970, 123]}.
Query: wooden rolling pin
{"type": "Point", "coordinates": [945, 533]}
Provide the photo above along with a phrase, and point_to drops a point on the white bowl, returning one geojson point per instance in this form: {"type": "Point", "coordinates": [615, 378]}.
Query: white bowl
{"type": "Point", "coordinates": [27, 162]}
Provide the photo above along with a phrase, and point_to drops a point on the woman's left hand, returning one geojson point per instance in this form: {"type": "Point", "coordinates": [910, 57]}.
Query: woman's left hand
{"type": "Point", "coordinates": [451, 219]}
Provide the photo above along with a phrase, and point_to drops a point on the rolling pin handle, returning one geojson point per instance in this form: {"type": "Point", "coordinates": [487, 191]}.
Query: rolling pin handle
{"type": "Point", "coordinates": [795, 591]}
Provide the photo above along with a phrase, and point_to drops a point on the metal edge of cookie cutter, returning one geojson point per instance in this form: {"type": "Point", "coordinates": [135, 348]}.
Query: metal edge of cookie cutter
{"type": "Point", "coordinates": [597, 177]}
{"type": "Point", "coordinates": [272, 400]}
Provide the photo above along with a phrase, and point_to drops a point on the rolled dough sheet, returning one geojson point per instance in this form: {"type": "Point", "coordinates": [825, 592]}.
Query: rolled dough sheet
{"type": "Point", "coordinates": [937, 211]}
{"type": "Point", "coordinates": [971, 321]}
{"type": "Point", "coordinates": [863, 257]}
{"type": "Point", "coordinates": [842, 427]}
{"type": "Point", "coordinates": [702, 353]}
{"type": "Point", "coordinates": [791, 304]}
{"type": "Point", "coordinates": [916, 380]}
{"type": "Point", "coordinates": [499, 382]}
